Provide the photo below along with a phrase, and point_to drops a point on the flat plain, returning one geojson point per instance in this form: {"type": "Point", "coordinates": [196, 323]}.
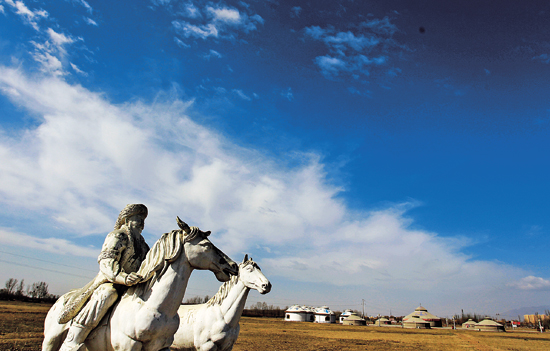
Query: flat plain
{"type": "Point", "coordinates": [21, 327]}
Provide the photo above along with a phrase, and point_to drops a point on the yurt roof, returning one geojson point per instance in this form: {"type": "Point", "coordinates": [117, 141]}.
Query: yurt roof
{"type": "Point", "coordinates": [422, 313]}
{"type": "Point", "coordinates": [347, 313]}
{"type": "Point", "coordinates": [353, 317]}
{"type": "Point", "coordinates": [489, 322]}
{"type": "Point", "coordinates": [383, 319]}
{"type": "Point", "coordinates": [295, 308]}
{"type": "Point", "coordinates": [470, 321]}
{"type": "Point", "coordinates": [323, 310]}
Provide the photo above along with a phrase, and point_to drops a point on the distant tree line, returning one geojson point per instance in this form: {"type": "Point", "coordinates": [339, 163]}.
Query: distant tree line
{"type": "Point", "coordinates": [196, 300]}
{"type": "Point", "coordinates": [262, 309]}
{"type": "Point", "coordinates": [36, 292]}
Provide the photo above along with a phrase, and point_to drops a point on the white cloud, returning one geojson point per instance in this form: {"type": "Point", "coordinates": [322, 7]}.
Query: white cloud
{"type": "Point", "coordinates": [544, 58]}
{"type": "Point", "coordinates": [2, 9]}
{"type": "Point", "coordinates": [295, 11]}
{"type": "Point", "coordinates": [51, 54]}
{"type": "Point", "coordinates": [29, 16]}
{"type": "Point", "coordinates": [532, 283]}
{"type": "Point", "coordinates": [50, 64]}
{"type": "Point", "coordinates": [241, 94]}
{"type": "Point", "coordinates": [287, 94]}
{"type": "Point", "coordinates": [84, 4]}
{"type": "Point", "coordinates": [218, 21]}
{"type": "Point", "coordinates": [380, 26]}
{"type": "Point", "coordinates": [330, 65]}
{"type": "Point", "coordinates": [78, 70]}
{"type": "Point", "coordinates": [189, 30]}
{"type": "Point", "coordinates": [86, 158]}
{"type": "Point", "coordinates": [224, 14]}
{"type": "Point", "coordinates": [59, 39]}
{"type": "Point", "coordinates": [180, 43]}
{"type": "Point", "coordinates": [212, 53]}
{"type": "Point", "coordinates": [191, 11]}
{"type": "Point", "coordinates": [355, 52]}
{"type": "Point", "coordinates": [90, 21]}
{"type": "Point", "coordinates": [53, 245]}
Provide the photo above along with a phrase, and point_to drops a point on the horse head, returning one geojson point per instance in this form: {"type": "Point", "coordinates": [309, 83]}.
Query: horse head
{"type": "Point", "coordinates": [252, 277]}
{"type": "Point", "coordinates": [204, 255]}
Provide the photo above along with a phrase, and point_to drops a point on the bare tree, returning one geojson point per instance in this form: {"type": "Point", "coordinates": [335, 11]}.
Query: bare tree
{"type": "Point", "coordinates": [11, 285]}
{"type": "Point", "coordinates": [20, 287]}
{"type": "Point", "coordinates": [38, 290]}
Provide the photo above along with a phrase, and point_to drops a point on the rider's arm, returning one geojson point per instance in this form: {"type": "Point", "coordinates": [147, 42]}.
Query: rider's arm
{"type": "Point", "coordinates": [109, 258]}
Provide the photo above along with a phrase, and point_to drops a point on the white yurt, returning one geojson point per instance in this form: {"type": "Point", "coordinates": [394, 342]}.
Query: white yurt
{"type": "Point", "coordinates": [310, 313]}
{"type": "Point", "coordinates": [344, 315]}
{"type": "Point", "coordinates": [469, 324]}
{"type": "Point", "coordinates": [354, 319]}
{"type": "Point", "coordinates": [382, 321]}
{"type": "Point", "coordinates": [489, 325]}
{"type": "Point", "coordinates": [297, 313]}
{"type": "Point", "coordinates": [423, 313]}
{"type": "Point", "coordinates": [324, 315]}
{"type": "Point", "coordinates": [415, 322]}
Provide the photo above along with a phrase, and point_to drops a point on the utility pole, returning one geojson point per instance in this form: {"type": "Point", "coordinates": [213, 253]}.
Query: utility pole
{"type": "Point", "coordinates": [363, 302]}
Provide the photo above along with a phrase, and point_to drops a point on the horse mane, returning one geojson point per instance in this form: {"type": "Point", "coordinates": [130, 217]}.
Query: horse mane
{"type": "Point", "coordinates": [165, 251]}
{"type": "Point", "coordinates": [224, 290]}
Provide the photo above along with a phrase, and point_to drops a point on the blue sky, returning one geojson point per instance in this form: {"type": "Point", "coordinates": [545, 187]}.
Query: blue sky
{"type": "Point", "coordinates": [389, 151]}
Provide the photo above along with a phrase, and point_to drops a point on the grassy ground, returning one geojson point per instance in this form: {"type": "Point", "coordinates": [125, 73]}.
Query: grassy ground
{"type": "Point", "coordinates": [21, 327]}
{"type": "Point", "coordinates": [261, 334]}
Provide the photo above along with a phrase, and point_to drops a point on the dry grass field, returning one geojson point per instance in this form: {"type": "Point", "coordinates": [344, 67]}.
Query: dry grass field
{"type": "Point", "coordinates": [21, 326]}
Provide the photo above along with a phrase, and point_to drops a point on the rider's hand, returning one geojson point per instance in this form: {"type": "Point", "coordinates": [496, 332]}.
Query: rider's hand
{"type": "Point", "coordinates": [132, 279]}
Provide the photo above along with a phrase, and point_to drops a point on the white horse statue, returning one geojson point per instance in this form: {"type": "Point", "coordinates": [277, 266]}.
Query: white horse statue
{"type": "Point", "coordinates": [145, 318]}
{"type": "Point", "coordinates": [214, 326]}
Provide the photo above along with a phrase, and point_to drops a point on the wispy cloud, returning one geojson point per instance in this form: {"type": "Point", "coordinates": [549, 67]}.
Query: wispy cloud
{"type": "Point", "coordinates": [84, 4]}
{"type": "Point", "coordinates": [30, 17]}
{"type": "Point", "coordinates": [180, 43]}
{"type": "Point", "coordinates": [217, 21]}
{"type": "Point", "coordinates": [52, 53]}
{"type": "Point", "coordinates": [78, 70]}
{"type": "Point", "coordinates": [532, 283]}
{"type": "Point", "coordinates": [288, 94]}
{"type": "Point", "coordinates": [53, 245]}
{"type": "Point", "coordinates": [241, 94]}
{"type": "Point", "coordinates": [90, 21]}
{"type": "Point", "coordinates": [356, 51]}
{"type": "Point", "coordinates": [544, 58]}
{"type": "Point", "coordinates": [295, 11]}
{"type": "Point", "coordinates": [212, 54]}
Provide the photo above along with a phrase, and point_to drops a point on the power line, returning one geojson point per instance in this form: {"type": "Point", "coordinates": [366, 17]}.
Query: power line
{"type": "Point", "coordinates": [37, 259]}
{"type": "Point", "coordinates": [45, 269]}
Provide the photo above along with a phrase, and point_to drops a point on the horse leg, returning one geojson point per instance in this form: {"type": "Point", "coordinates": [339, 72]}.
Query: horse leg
{"type": "Point", "coordinates": [54, 333]}
{"type": "Point", "coordinates": [54, 338]}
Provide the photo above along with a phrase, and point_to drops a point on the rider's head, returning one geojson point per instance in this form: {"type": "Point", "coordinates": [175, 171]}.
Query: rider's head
{"type": "Point", "coordinates": [133, 214]}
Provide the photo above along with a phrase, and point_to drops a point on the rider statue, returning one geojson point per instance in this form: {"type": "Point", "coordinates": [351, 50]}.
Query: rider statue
{"type": "Point", "coordinates": [121, 255]}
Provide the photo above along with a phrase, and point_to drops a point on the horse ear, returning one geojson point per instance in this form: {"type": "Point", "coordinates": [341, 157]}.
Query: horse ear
{"type": "Point", "coordinates": [245, 258]}
{"type": "Point", "coordinates": [207, 233]}
{"type": "Point", "coordinates": [183, 225]}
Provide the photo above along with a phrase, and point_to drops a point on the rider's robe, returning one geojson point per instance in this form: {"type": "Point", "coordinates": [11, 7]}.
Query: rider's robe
{"type": "Point", "coordinates": [120, 255]}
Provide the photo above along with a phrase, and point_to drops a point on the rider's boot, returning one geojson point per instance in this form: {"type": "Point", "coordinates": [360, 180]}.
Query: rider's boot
{"type": "Point", "coordinates": [75, 338]}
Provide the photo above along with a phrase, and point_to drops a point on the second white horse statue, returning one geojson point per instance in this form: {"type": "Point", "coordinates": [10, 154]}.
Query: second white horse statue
{"type": "Point", "coordinates": [214, 326]}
